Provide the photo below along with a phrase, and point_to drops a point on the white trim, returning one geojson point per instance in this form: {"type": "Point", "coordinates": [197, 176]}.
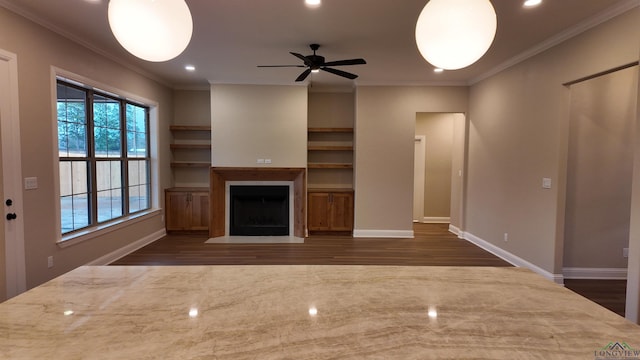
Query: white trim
{"type": "Point", "coordinates": [573, 31]}
{"type": "Point", "coordinates": [128, 249]}
{"type": "Point", "coordinates": [12, 179]}
{"type": "Point", "coordinates": [456, 231]}
{"type": "Point", "coordinates": [511, 258]}
{"type": "Point", "coordinates": [96, 231]}
{"type": "Point", "coordinates": [405, 234]}
{"type": "Point", "coordinates": [595, 273]}
{"type": "Point", "coordinates": [436, 220]}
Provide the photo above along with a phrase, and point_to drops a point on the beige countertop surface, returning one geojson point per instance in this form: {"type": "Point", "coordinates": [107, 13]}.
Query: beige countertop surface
{"type": "Point", "coordinates": [308, 312]}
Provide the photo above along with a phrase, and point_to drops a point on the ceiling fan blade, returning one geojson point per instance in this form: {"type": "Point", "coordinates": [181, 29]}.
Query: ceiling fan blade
{"type": "Point", "coordinates": [281, 66]}
{"type": "Point", "coordinates": [340, 73]}
{"type": "Point", "coordinates": [304, 75]}
{"type": "Point", "coordinates": [303, 58]}
{"type": "Point", "coordinates": [345, 62]}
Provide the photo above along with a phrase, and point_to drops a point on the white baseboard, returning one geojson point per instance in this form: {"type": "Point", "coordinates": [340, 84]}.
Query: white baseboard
{"type": "Point", "coordinates": [595, 273]}
{"type": "Point", "coordinates": [405, 234]}
{"type": "Point", "coordinates": [128, 249]}
{"type": "Point", "coordinates": [456, 231]}
{"type": "Point", "coordinates": [436, 220]}
{"type": "Point", "coordinates": [512, 259]}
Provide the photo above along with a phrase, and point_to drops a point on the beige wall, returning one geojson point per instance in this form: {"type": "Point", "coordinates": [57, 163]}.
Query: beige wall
{"type": "Point", "coordinates": [518, 134]}
{"type": "Point", "coordinates": [251, 122]}
{"type": "Point", "coordinates": [632, 310]}
{"type": "Point", "coordinates": [384, 147]}
{"type": "Point", "coordinates": [191, 107]}
{"type": "Point", "coordinates": [331, 109]}
{"type": "Point", "coordinates": [600, 169]}
{"type": "Point", "coordinates": [37, 51]}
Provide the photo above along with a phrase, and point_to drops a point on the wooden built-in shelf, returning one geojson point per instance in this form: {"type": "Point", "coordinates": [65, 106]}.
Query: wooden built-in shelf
{"type": "Point", "coordinates": [330, 130]}
{"type": "Point", "coordinates": [329, 166]}
{"type": "Point", "coordinates": [330, 147]}
{"type": "Point", "coordinates": [190, 146]}
{"type": "Point", "coordinates": [189, 128]}
{"type": "Point", "coordinates": [190, 164]}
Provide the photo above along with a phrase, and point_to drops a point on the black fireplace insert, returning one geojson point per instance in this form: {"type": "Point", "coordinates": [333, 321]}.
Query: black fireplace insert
{"type": "Point", "coordinates": [259, 210]}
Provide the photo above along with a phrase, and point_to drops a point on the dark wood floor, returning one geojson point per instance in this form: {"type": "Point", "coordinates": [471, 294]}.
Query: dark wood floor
{"type": "Point", "coordinates": [610, 294]}
{"type": "Point", "coordinates": [433, 245]}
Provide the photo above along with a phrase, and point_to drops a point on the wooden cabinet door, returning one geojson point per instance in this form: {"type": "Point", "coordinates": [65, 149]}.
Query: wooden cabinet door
{"type": "Point", "coordinates": [199, 204]}
{"type": "Point", "coordinates": [177, 208]}
{"type": "Point", "coordinates": [318, 211]}
{"type": "Point", "coordinates": [341, 212]}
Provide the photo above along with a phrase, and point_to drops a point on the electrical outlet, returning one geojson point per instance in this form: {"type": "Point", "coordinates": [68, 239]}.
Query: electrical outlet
{"type": "Point", "coordinates": [267, 161]}
{"type": "Point", "coordinates": [50, 262]}
{"type": "Point", "coordinates": [625, 252]}
{"type": "Point", "coordinates": [260, 161]}
{"type": "Point", "coordinates": [506, 237]}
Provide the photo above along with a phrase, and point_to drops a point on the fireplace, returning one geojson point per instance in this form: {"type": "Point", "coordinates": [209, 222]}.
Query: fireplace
{"type": "Point", "coordinates": [259, 210]}
{"type": "Point", "coordinates": [224, 177]}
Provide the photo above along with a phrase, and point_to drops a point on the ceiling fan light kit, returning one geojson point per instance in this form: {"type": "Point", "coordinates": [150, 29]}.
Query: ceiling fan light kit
{"type": "Point", "coordinates": [153, 30]}
{"type": "Point", "coordinates": [315, 63]}
{"type": "Point", "coordinates": [453, 34]}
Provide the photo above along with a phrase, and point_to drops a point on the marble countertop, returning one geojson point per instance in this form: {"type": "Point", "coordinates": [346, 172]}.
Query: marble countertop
{"type": "Point", "coordinates": [307, 312]}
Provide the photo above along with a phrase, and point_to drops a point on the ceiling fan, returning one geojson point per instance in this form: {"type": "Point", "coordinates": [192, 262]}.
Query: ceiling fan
{"type": "Point", "coordinates": [316, 62]}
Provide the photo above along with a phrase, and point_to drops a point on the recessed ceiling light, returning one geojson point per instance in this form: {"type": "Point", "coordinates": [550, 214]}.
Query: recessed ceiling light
{"type": "Point", "coordinates": [532, 3]}
{"type": "Point", "coordinates": [190, 68]}
{"type": "Point", "coordinates": [438, 70]}
{"type": "Point", "coordinates": [312, 2]}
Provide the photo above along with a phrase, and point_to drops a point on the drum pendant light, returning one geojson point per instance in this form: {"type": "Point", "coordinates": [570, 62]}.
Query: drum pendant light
{"type": "Point", "coordinates": [153, 30]}
{"type": "Point", "coordinates": [453, 34]}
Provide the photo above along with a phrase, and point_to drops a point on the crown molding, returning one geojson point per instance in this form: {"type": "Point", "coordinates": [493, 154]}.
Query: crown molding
{"type": "Point", "coordinates": [573, 31]}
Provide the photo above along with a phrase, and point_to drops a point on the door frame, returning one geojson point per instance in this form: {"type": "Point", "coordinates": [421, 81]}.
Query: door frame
{"type": "Point", "coordinates": [12, 178]}
{"type": "Point", "coordinates": [420, 151]}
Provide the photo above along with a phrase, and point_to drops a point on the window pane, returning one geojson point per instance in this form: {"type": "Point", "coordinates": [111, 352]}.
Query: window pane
{"type": "Point", "coordinates": [74, 212]}
{"type": "Point", "coordinates": [136, 131]}
{"type": "Point", "coordinates": [138, 198]}
{"type": "Point", "coordinates": [80, 179]}
{"type": "Point", "coordinates": [108, 175]}
{"type": "Point", "coordinates": [134, 176]}
{"type": "Point", "coordinates": [72, 120]}
{"type": "Point", "coordinates": [106, 120]}
{"type": "Point", "coordinates": [65, 178]}
{"type": "Point", "coordinates": [113, 143]}
{"type": "Point", "coordinates": [109, 204]}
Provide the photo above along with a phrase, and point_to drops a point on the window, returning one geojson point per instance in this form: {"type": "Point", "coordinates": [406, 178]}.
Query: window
{"type": "Point", "coordinates": [103, 146]}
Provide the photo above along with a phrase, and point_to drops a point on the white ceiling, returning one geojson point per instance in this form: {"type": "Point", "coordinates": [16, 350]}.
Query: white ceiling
{"type": "Point", "coordinates": [232, 37]}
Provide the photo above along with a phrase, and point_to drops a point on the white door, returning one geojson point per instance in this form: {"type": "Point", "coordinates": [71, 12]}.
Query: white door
{"type": "Point", "coordinates": [12, 261]}
{"type": "Point", "coordinates": [418, 178]}
{"type": "Point", "coordinates": [3, 262]}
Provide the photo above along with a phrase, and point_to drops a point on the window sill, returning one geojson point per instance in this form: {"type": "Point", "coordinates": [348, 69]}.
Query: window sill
{"type": "Point", "coordinates": [102, 229]}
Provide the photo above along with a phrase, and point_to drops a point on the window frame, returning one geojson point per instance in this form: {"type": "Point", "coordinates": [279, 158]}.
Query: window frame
{"type": "Point", "coordinates": [92, 160]}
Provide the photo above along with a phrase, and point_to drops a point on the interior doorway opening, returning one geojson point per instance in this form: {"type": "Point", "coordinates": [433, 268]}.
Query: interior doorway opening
{"type": "Point", "coordinates": [439, 163]}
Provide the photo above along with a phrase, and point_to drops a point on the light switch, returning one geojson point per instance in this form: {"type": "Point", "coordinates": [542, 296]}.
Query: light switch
{"type": "Point", "coordinates": [546, 183]}
{"type": "Point", "coordinates": [30, 183]}
{"type": "Point", "coordinates": [260, 161]}
{"type": "Point", "coordinates": [267, 161]}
